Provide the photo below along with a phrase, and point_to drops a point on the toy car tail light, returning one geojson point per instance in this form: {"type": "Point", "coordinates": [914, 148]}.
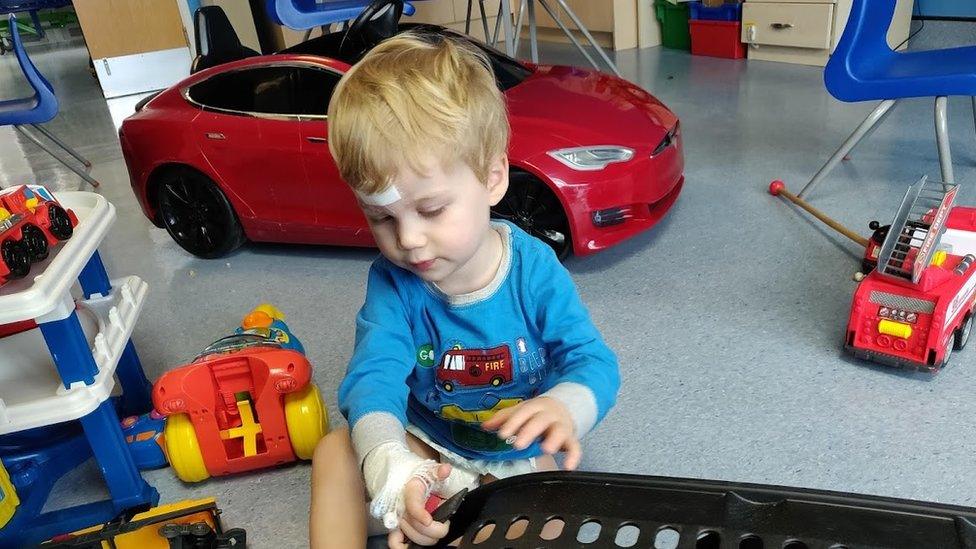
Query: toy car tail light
{"type": "Point", "coordinates": [894, 329]}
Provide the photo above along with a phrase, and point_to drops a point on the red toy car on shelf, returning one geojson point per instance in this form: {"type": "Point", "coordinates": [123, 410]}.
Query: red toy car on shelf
{"type": "Point", "coordinates": [916, 305]}
{"type": "Point", "coordinates": [244, 403]}
{"type": "Point", "coordinates": [238, 151]}
{"type": "Point", "coordinates": [31, 221]}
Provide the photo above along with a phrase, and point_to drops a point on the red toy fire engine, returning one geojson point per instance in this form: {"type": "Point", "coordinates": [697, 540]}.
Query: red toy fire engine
{"type": "Point", "coordinates": [475, 368]}
{"type": "Point", "coordinates": [31, 221]}
{"type": "Point", "coordinates": [916, 305]}
{"type": "Point", "coordinates": [244, 403]}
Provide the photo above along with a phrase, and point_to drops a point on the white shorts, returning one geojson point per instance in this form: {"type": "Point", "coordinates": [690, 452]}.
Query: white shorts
{"type": "Point", "coordinates": [498, 469]}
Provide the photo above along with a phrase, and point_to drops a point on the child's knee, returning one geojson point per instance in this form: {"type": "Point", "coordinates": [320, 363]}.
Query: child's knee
{"type": "Point", "coordinates": [333, 447]}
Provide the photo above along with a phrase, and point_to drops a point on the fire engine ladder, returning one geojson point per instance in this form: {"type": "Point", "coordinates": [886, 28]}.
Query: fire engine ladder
{"type": "Point", "coordinates": [918, 225]}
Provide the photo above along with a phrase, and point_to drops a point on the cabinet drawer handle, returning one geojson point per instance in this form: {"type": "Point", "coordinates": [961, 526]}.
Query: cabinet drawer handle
{"type": "Point", "coordinates": [781, 26]}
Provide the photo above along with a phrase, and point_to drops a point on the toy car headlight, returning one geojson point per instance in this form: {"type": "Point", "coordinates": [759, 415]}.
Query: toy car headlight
{"type": "Point", "coordinates": [592, 158]}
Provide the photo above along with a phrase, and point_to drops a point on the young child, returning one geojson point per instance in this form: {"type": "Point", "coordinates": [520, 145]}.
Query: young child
{"type": "Point", "coordinates": [474, 358]}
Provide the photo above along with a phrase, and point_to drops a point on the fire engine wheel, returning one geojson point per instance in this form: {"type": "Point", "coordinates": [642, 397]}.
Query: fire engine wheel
{"type": "Point", "coordinates": [962, 334]}
{"type": "Point", "coordinates": [60, 222]}
{"type": "Point", "coordinates": [448, 386]}
{"type": "Point", "coordinates": [496, 381]}
{"type": "Point", "coordinates": [197, 214]}
{"type": "Point", "coordinates": [36, 242]}
{"type": "Point", "coordinates": [307, 420]}
{"type": "Point", "coordinates": [530, 204]}
{"type": "Point", "coordinates": [183, 449]}
{"type": "Point", "coordinates": [16, 257]}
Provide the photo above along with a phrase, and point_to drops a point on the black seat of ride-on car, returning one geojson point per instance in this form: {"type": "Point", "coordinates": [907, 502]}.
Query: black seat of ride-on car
{"type": "Point", "coordinates": [217, 42]}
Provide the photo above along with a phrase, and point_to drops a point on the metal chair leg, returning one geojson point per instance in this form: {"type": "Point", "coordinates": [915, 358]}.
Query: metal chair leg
{"type": "Point", "coordinates": [569, 34]}
{"type": "Point", "coordinates": [872, 120]}
{"type": "Point", "coordinates": [62, 144]}
{"type": "Point", "coordinates": [579, 24]}
{"type": "Point", "coordinates": [870, 132]}
{"type": "Point", "coordinates": [82, 173]}
{"type": "Point", "coordinates": [533, 31]}
{"type": "Point", "coordinates": [518, 28]}
{"type": "Point", "coordinates": [484, 19]}
{"type": "Point", "coordinates": [942, 138]}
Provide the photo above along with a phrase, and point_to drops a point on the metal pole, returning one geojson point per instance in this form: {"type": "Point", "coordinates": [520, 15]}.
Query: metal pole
{"type": "Point", "coordinates": [579, 24]}
{"type": "Point", "coordinates": [62, 144]}
{"type": "Point", "coordinates": [569, 34]}
{"type": "Point", "coordinates": [84, 175]}
{"type": "Point", "coordinates": [533, 38]}
{"type": "Point", "coordinates": [942, 138]}
{"type": "Point", "coordinates": [872, 119]}
{"type": "Point", "coordinates": [507, 25]}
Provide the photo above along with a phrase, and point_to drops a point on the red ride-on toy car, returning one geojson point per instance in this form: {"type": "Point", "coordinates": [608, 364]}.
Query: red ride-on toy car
{"type": "Point", "coordinates": [244, 403]}
{"type": "Point", "coordinates": [31, 221]}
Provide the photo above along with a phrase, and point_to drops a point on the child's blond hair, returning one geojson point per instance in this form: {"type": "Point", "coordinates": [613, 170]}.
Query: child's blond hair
{"type": "Point", "coordinates": [411, 98]}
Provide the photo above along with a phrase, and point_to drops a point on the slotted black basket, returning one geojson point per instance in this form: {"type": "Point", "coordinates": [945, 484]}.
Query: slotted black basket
{"type": "Point", "coordinates": [674, 513]}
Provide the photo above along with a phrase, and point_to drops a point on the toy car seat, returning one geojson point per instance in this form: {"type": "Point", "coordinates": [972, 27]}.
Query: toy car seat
{"type": "Point", "coordinates": [216, 41]}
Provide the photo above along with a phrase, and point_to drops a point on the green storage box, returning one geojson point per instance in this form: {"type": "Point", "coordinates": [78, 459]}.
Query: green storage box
{"type": "Point", "coordinates": [674, 24]}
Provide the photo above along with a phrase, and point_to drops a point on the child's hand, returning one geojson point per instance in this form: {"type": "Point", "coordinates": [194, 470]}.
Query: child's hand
{"type": "Point", "coordinates": [540, 417]}
{"type": "Point", "coordinates": [416, 524]}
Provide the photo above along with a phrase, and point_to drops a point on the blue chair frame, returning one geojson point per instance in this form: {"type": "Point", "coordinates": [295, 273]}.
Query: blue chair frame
{"type": "Point", "coordinates": [307, 14]}
{"type": "Point", "coordinates": [38, 108]}
{"type": "Point", "coordinates": [864, 67]}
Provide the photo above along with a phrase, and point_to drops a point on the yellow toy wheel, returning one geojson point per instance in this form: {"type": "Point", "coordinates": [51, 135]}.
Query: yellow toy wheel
{"type": "Point", "coordinates": [183, 449]}
{"type": "Point", "coordinates": [307, 420]}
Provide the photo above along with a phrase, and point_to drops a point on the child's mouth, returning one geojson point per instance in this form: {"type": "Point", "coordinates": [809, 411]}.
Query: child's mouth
{"type": "Point", "coordinates": [423, 265]}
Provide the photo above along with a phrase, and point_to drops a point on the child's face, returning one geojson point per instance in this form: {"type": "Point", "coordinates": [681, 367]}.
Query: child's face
{"type": "Point", "coordinates": [439, 227]}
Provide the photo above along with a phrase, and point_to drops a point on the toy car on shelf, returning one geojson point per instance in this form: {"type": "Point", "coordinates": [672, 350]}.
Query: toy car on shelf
{"type": "Point", "coordinates": [238, 151]}
{"type": "Point", "coordinates": [31, 221]}
{"type": "Point", "coordinates": [916, 306]}
{"type": "Point", "coordinates": [188, 524]}
{"type": "Point", "coordinates": [246, 402]}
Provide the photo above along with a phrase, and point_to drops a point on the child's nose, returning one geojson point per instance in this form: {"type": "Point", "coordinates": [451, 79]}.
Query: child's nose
{"type": "Point", "coordinates": [410, 236]}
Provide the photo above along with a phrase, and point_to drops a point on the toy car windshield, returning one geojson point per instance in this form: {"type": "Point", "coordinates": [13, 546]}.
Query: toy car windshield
{"type": "Point", "coordinates": [237, 342]}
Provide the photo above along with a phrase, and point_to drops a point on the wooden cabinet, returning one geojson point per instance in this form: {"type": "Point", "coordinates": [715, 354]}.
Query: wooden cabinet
{"type": "Point", "coordinates": [452, 14]}
{"type": "Point", "coordinates": [806, 31]}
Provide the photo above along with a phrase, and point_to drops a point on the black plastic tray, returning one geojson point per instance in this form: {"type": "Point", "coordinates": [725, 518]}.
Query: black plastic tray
{"type": "Point", "coordinates": [668, 513]}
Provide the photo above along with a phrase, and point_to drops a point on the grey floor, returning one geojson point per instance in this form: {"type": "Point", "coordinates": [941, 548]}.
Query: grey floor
{"type": "Point", "coordinates": [727, 318]}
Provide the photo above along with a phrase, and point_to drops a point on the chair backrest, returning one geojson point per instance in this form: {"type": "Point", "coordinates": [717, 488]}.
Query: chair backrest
{"type": "Point", "coordinates": [43, 90]}
{"type": "Point", "coordinates": [216, 40]}
{"type": "Point", "coordinates": [864, 43]}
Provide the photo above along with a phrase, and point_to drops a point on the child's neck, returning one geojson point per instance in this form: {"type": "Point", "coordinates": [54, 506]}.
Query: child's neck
{"type": "Point", "coordinates": [483, 267]}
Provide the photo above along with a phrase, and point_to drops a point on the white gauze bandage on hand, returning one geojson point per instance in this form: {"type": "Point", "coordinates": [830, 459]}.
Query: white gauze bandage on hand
{"type": "Point", "coordinates": [386, 471]}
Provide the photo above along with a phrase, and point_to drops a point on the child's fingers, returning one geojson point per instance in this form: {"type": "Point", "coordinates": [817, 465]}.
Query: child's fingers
{"type": "Point", "coordinates": [397, 540]}
{"type": "Point", "coordinates": [495, 421]}
{"type": "Point", "coordinates": [423, 535]}
{"type": "Point", "coordinates": [414, 504]}
{"type": "Point", "coordinates": [556, 439]}
{"type": "Point", "coordinates": [532, 430]}
{"type": "Point", "coordinates": [518, 418]}
{"type": "Point", "coordinates": [573, 454]}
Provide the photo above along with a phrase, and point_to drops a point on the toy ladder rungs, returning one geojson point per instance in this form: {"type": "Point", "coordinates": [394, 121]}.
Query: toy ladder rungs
{"type": "Point", "coordinates": [917, 227]}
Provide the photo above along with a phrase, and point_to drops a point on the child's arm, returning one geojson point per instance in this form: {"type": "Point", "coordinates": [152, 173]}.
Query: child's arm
{"type": "Point", "coordinates": [585, 369]}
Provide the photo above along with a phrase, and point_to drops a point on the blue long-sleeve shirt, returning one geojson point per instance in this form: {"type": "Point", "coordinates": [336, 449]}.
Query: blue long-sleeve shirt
{"type": "Point", "coordinates": [447, 363]}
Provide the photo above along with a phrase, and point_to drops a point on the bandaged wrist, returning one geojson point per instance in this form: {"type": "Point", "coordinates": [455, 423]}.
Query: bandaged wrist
{"type": "Point", "coordinates": [386, 471]}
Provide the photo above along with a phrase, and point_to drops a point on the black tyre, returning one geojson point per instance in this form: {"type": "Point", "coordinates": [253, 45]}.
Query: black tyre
{"type": "Point", "coordinates": [60, 222]}
{"type": "Point", "coordinates": [531, 205]}
{"type": "Point", "coordinates": [33, 237]}
{"type": "Point", "coordinates": [962, 334]}
{"type": "Point", "coordinates": [16, 257]}
{"type": "Point", "coordinates": [197, 215]}
{"type": "Point", "coordinates": [947, 354]}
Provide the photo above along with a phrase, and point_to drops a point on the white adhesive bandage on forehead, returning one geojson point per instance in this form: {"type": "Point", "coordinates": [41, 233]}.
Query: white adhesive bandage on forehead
{"type": "Point", "coordinates": [380, 199]}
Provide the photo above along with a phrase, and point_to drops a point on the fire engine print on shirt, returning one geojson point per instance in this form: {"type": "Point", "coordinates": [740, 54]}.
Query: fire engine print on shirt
{"type": "Point", "coordinates": [462, 369]}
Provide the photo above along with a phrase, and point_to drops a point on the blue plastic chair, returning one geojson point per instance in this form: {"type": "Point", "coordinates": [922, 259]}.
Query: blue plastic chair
{"type": "Point", "coordinates": [38, 108]}
{"type": "Point", "coordinates": [308, 14]}
{"type": "Point", "coordinates": [863, 67]}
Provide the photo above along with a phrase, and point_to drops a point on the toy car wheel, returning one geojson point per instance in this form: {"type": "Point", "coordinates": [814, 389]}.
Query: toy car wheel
{"type": "Point", "coordinates": [947, 353]}
{"type": "Point", "coordinates": [183, 449]}
{"type": "Point", "coordinates": [60, 222]}
{"type": "Point", "coordinates": [307, 420]}
{"type": "Point", "coordinates": [531, 205]}
{"type": "Point", "coordinates": [33, 237]}
{"type": "Point", "coordinates": [962, 334]}
{"type": "Point", "coordinates": [16, 257]}
{"type": "Point", "coordinates": [197, 215]}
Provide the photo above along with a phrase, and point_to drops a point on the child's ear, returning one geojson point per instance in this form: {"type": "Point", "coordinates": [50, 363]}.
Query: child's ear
{"type": "Point", "coordinates": [497, 179]}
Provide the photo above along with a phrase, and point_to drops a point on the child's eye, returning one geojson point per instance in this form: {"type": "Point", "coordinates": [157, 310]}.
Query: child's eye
{"type": "Point", "coordinates": [433, 213]}
{"type": "Point", "coordinates": [378, 218]}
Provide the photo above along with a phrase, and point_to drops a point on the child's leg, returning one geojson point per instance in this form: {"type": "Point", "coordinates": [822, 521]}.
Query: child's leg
{"type": "Point", "coordinates": [338, 511]}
